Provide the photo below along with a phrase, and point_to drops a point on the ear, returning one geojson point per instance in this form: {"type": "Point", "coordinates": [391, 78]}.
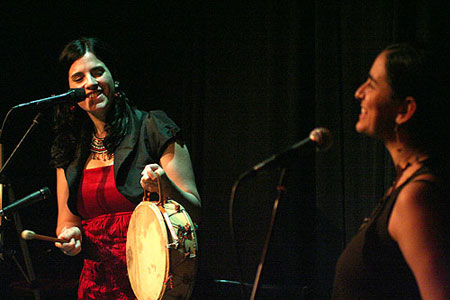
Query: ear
{"type": "Point", "coordinates": [406, 110]}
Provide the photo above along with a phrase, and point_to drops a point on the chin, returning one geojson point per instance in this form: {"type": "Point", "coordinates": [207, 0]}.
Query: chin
{"type": "Point", "coordinates": [101, 105]}
{"type": "Point", "coordinates": [363, 130]}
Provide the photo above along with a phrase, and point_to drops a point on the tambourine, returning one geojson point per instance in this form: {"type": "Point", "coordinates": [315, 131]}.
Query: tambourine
{"type": "Point", "coordinates": [161, 251]}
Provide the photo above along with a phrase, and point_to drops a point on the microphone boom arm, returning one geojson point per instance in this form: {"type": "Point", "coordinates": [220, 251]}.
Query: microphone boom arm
{"type": "Point", "coordinates": [8, 161]}
{"type": "Point", "coordinates": [73, 95]}
{"type": "Point", "coordinates": [319, 139]}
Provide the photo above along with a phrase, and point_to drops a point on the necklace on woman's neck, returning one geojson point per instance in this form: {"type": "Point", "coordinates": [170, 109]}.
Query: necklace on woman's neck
{"type": "Point", "coordinates": [411, 160]}
{"type": "Point", "coordinates": [402, 167]}
{"type": "Point", "coordinates": [98, 149]}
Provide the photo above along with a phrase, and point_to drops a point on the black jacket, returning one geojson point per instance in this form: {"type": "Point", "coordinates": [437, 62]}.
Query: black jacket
{"type": "Point", "coordinates": [149, 135]}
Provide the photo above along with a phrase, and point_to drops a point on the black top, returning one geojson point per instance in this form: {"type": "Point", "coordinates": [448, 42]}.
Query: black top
{"type": "Point", "coordinates": [372, 265]}
{"type": "Point", "coordinates": [149, 135]}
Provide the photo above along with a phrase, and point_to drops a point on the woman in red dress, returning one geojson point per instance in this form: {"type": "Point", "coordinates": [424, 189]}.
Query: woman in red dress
{"type": "Point", "coordinates": [106, 153]}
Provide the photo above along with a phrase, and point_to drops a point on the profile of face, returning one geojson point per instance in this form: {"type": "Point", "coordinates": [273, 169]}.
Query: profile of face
{"type": "Point", "coordinates": [378, 110]}
{"type": "Point", "coordinates": [92, 75]}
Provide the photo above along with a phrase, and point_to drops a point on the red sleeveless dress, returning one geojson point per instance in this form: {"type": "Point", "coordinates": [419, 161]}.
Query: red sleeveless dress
{"type": "Point", "coordinates": [105, 217]}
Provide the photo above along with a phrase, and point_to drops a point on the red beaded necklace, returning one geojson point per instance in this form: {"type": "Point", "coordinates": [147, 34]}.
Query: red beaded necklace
{"type": "Point", "coordinates": [98, 149]}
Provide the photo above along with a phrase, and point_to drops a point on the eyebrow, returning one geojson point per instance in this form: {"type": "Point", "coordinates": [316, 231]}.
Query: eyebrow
{"type": "Point", "coordinates": [81, 73]}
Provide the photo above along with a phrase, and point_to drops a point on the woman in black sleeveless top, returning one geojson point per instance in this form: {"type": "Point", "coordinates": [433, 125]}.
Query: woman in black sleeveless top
{"type": "Point", "coordinates": [402, 251]}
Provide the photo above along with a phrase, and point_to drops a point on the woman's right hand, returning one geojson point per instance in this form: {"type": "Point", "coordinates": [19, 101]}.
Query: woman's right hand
{"type": "Point", "coordinates": [73, 237]}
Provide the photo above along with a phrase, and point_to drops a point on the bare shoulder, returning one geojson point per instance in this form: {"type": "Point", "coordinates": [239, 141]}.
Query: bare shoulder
{"type": "Point", "coordinates": [418, 206]}
{"type": "Point", "coordinates": [420, 193]}
{"type": "Point", "coordinates": [419, 224]}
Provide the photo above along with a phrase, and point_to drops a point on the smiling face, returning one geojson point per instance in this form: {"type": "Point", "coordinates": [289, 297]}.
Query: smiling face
{"type": "Point", "coordinates": [378, 109]}
{"type": "Point", "coordinates": [91, 74]}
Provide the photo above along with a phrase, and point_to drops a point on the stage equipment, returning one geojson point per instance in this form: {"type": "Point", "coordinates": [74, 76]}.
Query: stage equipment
{"type": "Point", "coordinates": [42, 194]}
{"type": "Point", "coordinates": [72, 96]}
{"type": "Point", "coordinates": [7, 190]}
{"type": "Point", "coordinates": [319, 139]}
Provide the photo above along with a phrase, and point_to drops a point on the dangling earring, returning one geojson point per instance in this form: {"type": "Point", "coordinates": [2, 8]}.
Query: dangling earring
{"type": "Point", "coordinates": [396, 132]}
{"type": "Point", "coordinates": [116, 87]}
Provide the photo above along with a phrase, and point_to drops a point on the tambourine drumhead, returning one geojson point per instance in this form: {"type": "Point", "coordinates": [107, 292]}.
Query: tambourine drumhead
{"type": "Point", "coordinates": [156, 270]}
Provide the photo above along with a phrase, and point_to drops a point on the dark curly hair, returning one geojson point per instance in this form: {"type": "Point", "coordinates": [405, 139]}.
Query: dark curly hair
{"type": "Point", "coordinates": [73, 128]}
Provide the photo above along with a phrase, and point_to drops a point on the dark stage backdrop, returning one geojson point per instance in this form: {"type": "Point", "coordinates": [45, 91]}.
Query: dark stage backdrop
{"type": "Point", "coordinates": [244, 79]}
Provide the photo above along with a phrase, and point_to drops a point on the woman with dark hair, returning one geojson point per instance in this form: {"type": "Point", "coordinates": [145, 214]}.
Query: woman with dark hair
{"type": "Point", "coordinates": [402, 251]}
{"type": "Point", "coordinates": [106, 153]}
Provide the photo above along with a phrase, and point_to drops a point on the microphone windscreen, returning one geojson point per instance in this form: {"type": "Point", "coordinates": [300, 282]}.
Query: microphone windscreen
{"type": "Point", "coordinates": [45, 192]}
{"type": "Point", "coordinates": [78, 94]}
{"type": "Point", "coordinates": [323, 138]}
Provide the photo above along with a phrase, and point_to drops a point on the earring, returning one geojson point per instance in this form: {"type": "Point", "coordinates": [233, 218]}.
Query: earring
{"type": "Point", "coordinates": [396, 129]}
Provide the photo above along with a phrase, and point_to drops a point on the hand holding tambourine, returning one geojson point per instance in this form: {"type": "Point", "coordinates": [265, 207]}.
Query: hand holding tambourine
{"type": "Point", "coordinates": [151, 177]}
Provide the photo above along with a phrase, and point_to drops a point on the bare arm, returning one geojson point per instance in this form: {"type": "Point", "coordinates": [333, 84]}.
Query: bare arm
{"type": "Point", "coordinates": [418, 228]}
{"type": "Point", "coordinates": [68, 224]}
{"type": "Point", "coordinates": [177, 178]}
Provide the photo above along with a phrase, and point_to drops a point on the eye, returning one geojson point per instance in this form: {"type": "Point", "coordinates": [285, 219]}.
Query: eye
{"type": "Point", "coordinates": [97, 72]}
{"type": "Point", "coordinates": [77, 78]}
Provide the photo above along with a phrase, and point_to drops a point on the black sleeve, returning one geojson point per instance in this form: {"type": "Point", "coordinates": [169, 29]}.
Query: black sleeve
{"type": "Point", "coordinates": [160, 131]}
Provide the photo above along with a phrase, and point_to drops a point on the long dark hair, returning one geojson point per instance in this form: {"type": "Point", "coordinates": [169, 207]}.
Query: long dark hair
{"type": "Point", "coordinates": [73, 128]}
{"type": "Point", "coordinates": [420, 71]}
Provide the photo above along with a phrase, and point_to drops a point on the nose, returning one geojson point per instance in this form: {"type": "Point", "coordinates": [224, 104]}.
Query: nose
{"type": "Point", "coordinates": [91, 82]}
{"type": "Point", "coordinates": [359, 93]}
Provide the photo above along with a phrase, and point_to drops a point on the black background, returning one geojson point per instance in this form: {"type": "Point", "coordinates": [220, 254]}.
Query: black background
{"type": "Point", "coordinates": [244, 80]}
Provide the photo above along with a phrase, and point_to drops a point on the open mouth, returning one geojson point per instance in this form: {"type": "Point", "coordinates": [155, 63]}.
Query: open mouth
{"type": "Point", "coordinates": [94, 95]}
{"type": "Point", "coordinates": [363, 111]}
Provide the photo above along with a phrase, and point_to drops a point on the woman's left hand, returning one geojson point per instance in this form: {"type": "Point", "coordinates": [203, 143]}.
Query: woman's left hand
{"type": "Point", "coordinates": [150, 176]}
{"type": "Point", "coordinates": [173, 178]}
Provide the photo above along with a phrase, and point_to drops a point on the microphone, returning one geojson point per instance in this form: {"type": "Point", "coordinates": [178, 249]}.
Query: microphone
{"type": "Point", "coordinates": [73, 95]}
{"type": "Point", "coordinates": [42, 194]}
{"type": "Point", "coordinates": [320, 139]}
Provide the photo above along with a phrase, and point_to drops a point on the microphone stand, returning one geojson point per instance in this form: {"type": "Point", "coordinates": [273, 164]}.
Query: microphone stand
{"type": "Point", "coordinates": [30, 277]}
{"type": "Point", "coordinates": [281, 189]}
{"type": "Point", "coordinates": [8, 161]}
